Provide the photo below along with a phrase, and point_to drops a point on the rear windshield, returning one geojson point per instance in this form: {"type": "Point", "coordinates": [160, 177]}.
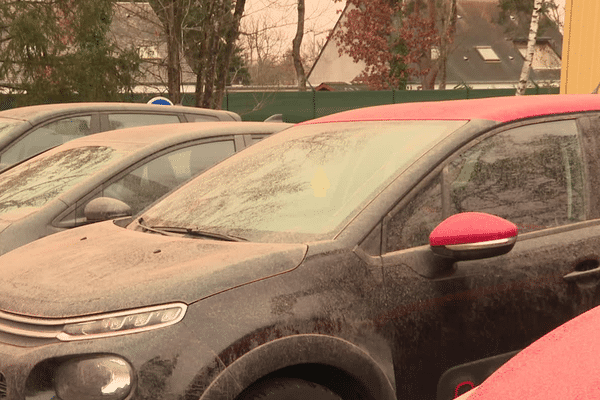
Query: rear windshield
{"type": "Point", "coordinates": [41, 179]}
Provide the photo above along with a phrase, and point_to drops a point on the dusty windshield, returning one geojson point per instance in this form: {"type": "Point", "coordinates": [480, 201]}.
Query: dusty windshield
{"type": "Point", "coordinates": [303, 184]}
{"type": "Point", "coordinates": [43, 178]}
{"type": "Point", "coordinates": [7, 125]}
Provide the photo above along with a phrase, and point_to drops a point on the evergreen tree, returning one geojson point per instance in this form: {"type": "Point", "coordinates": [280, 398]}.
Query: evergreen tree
{"type": "Point", "coordinates": [58, 51]}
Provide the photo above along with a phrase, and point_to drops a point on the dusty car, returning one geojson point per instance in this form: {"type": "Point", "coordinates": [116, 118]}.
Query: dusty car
{"type": "Point", "coordinates": [112, 174]}
{"type": "Point", "coordinates": [563, 364]}
{"type": "Point", "coordinates": [392, 252]}
{"type": "Point", "coordinates": [26, 131]}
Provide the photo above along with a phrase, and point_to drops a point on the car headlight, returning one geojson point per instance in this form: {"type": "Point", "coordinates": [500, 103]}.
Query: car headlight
{"type": "Point", "coordinates": [122, 323]}
{"type": "Point", "coordinates": [94, 378]}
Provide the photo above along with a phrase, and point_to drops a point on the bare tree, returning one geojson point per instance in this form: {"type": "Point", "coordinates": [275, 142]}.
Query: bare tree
{"type": "Point", "coordinates": [447, 28]}
{"type": "Point", "coordinates": [533, 29]}
{"type": "Point", "coordinates": [170, 14]}
{"type": "Point", "coordinates": [266, 31]}
{"type": "Point", "coordinates": [265, 49]}
{"type": "Point", "coordinates": [296, 43]}
{"type": "Point", "coordinates": [203, 33]}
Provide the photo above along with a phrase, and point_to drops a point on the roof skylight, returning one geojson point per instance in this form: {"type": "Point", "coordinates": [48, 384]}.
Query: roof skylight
{"type": "Point", "coordinates": [487, 53]}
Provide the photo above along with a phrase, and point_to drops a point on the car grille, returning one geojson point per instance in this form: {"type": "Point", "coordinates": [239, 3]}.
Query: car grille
{"type": "Point", "coordinates": [28, 331]}
{"type": "Point", "coordinates": [2, 386]}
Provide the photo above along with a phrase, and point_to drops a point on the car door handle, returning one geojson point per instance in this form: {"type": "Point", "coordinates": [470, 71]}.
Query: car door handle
{"type": "Point", "coordinates": [583, 275]}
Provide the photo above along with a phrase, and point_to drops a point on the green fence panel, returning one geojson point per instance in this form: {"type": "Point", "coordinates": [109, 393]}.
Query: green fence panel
{"type": "Point", "coordinates": [258, 106]}
{"type": "Point", "coordinates": [405, 96]}
{"type": "Point", "coordinates": [332, 102]}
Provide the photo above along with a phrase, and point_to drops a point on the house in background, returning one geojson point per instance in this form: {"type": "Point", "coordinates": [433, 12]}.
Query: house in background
{"type": "Point", "coordinates": [485, 54]}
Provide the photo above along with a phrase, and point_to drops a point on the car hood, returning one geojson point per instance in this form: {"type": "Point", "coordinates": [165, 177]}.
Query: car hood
{"type": "Point", "coordinates": [102, 267]}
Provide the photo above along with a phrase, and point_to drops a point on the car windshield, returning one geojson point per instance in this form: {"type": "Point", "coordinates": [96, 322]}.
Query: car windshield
{"type": "Point", "coordinates": [303, 184]}
{"type": "Point", "coordinates": [7, 125]}
{"type": "Point", "coordinates": [36, 182]}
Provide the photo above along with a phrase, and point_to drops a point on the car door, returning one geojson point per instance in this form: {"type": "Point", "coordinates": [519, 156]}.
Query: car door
{"type": "Point", "coordinates": [454, 327]}
{"type": "Point", "coordinates": [141, 184]}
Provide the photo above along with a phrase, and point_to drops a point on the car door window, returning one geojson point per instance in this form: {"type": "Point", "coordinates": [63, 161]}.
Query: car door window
{"type": "Point", "coordinates": [120, 121]}
{"type": "Point", "coordinates": [147, 183]}
{"type": "Point", "coordinates": [412, 225]}
{"type": "Point", "coordinates": [47, 136]}
{"type": "Point", "coordinates": [532, 175]}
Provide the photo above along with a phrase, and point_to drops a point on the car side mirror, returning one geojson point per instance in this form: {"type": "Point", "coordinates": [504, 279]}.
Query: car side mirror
{"type": "Point", "coordinates": [106, 208]}
{"type": "Point", "coordinates": [473, 235]}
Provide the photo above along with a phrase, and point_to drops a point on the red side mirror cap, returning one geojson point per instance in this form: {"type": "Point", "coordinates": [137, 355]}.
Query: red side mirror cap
{"type": "Point", "coordinates": [473, 235]}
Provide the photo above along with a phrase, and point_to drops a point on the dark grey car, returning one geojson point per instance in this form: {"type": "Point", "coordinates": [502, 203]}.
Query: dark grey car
{"type": "Point", "coordinates": [26, 131]}
{"type": "Point", "coordinates": [112, 173]}
{"type": "Point", "coordinates": [363, 255]}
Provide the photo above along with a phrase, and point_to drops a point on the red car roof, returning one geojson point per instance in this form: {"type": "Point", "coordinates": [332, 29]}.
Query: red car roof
{"type": "Point", "coordinates": [500, 109]}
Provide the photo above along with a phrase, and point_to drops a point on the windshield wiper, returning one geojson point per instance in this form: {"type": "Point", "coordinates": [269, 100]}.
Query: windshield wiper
{"type": "Point", "coordinates": [199, 233]}
{"type": "Point", "coordinates": [140, 222]}
{"type": "Point", "coordinates": [177, 230]}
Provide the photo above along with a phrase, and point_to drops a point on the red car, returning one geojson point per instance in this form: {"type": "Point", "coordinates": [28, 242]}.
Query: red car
{"type": "Point", "coordinates": [563, 364]}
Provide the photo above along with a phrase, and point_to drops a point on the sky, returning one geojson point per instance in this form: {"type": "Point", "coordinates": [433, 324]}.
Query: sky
{"type": "Point", "coordinates": [280, 16]}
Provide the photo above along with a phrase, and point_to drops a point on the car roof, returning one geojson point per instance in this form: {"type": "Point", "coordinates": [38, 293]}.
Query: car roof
{"type": "Point", "coordinates": [499, 109]}
{"type": "Point", "coordinates": [561, 365]}
{"type": "Point", "coordinates": [166, 134]}
{"type": "Point", "coordinates": [50, 110]}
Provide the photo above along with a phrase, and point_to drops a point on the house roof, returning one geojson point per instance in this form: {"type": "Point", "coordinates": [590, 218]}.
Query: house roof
{"type": "Point", "coordinates": [499, 109]}
{"type": "Point", "coordinates": [465, 63]}
{"type": "Point", "coordinates": [477, 26]}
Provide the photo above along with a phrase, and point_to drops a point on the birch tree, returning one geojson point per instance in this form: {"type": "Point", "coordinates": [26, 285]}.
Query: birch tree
{"type": "Point", "coordinates": [533, 29]}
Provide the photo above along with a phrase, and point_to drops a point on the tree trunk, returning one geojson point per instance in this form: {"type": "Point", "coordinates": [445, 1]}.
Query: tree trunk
{"type": "Point", "coordinates": [447, 34]}
{"type": "Point", "coordinates": [173, 31]}
{"type": "Point", "coordinates": [300, 75]}
{"type": "Point", "coordinates": [232, 34]}
{"type": "Point", "coordinates": [169, 13]}
{"type": "Point", "coordinates": [533, 28]}
{"type": "Point", "coordinates": [210, 73]}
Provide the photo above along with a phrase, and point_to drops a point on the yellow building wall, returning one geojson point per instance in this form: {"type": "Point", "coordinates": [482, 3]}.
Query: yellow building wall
{"type": "Point", "coordinates": [580, 72]}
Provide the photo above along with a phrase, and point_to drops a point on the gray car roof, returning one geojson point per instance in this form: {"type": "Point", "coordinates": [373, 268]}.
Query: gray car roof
{"type": "Point", "coordinates": [44, 111]}
{"type": "Point", "coordinates": [161, 136]}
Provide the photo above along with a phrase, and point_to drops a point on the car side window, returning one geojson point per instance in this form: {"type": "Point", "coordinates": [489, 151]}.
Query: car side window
{"type": "Point", "coordinates": [47, 136]}
{"type": "Point", "coordinates": [412, 225]}
{"type": "Point", "coordinates": [531, 175]}
{"type": "Point", "coordinates": [120, 121]}
{"type": "Point", "coordinates": [200, 118]}
{"type": "Point", "coordinates": [145, 184]}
